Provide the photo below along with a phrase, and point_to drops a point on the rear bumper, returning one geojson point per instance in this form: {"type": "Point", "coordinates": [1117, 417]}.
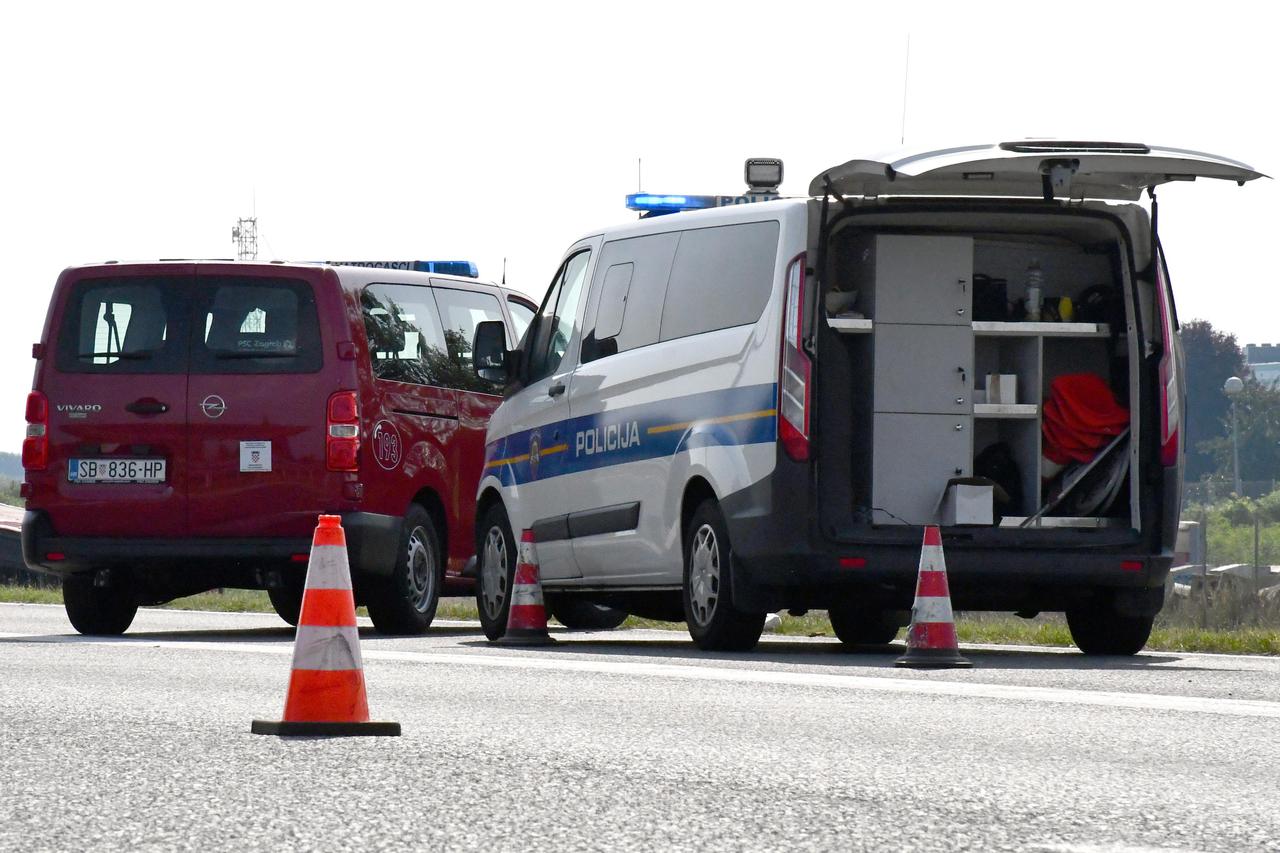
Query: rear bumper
{"type": "Point", "coordinates": [783, 561]}
{"type": "Point", "coordinates": [372, 540]}
{"type": "Point", "coordinates": [979, 578]}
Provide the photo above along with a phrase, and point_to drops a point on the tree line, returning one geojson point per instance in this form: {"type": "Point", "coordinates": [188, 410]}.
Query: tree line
{"type": "Point", "coordinates": [1213, 357]}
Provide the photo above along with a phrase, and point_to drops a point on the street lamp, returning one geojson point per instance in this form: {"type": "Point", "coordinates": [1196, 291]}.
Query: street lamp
{"type": "Point", "coordinates": [1231, 388]}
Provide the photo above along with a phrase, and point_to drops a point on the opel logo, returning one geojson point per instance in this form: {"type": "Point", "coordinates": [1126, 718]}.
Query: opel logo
{"type": "Point", "coordinates": [213, 406]}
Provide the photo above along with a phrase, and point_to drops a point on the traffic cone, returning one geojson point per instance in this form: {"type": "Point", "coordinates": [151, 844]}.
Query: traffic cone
{"type": "Point", "coordinates": [931, 640]}
{"type": "Point", "coordinates": [527, 621]}
{"type": "Point", "coordinates": [326, 687]}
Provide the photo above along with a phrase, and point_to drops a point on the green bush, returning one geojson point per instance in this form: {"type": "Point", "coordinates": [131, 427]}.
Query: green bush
{"type": "Point", "coordinates": [9, 492]}
{"type": "Point", "coordinates": [1236, 510]}
{"type": "Point", "coordinates": [1268, 508]}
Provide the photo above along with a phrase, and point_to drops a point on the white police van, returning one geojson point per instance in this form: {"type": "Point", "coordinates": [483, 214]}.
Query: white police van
{"type": "Point", "coordinates": [730, 411]}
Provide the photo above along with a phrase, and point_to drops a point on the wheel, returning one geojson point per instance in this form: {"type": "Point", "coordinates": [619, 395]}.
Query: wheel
{"type": "Point", "coordinates": [286, 601]}
{"type": "Point", "coordinates": [406, 602]}
{"type": "Point", "coordinates": [713, 622]}
{"type": "Point", "coordinates": [860, 626]}
{"type": "Point", "coordinates": [583, 615]}
{"type": "Point", "coordinates": [98, 609]}
{"type": "Point", "coordinates": [497, 551]}
{"type": "Point", "coordinates": [1099, 630]}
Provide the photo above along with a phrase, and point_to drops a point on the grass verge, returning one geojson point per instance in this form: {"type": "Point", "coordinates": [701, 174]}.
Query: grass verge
{"type": "Point", "coordinates": [1045, 630]}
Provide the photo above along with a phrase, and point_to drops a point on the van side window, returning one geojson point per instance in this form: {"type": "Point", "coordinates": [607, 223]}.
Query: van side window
{"type": "Point", "coordinates": [461, 311]}
{"type": "Point", "coordinates": [406, 340]}
{"type": "Point", "coordinates": [255, 325]}
{"type": "Point", "coordinates": [124, 325]}
{"type": "Point", "coordinates": [721, 277]}
{"type": "Point", "coordinates": [553, 328]}
{"type": "Point", "coordinates": [613, 300]}
{"type": "Point", "coordinates": [521, 316]}
{"type": "Point", "coordinates": [629, 308]}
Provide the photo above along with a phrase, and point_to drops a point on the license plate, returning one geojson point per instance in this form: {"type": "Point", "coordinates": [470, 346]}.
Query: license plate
{"type": "Point", "coordinates": [116, 470]}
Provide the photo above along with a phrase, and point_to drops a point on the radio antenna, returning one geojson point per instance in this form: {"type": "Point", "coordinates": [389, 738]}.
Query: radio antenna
{"type": "Point", "coordinates": [906, 76]}
{"type": "Point", "coordinates": [504, 272]}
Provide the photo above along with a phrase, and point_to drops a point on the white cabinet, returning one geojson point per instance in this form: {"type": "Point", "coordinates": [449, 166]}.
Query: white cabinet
{"type": "Point", "coordinates": [918, 279]}
{"type": "Point", "coordinates": [919, 290]}
{"type": "Point", "coordinates": [928, 358]}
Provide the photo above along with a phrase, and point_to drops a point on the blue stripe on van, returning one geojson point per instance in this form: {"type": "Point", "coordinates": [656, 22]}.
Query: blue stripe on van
{"type": "Point", "coordinates": [725, 418]}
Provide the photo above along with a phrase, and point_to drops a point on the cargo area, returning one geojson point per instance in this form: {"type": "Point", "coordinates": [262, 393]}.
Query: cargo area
{"type": "Point", "coordinates": [982, 369]}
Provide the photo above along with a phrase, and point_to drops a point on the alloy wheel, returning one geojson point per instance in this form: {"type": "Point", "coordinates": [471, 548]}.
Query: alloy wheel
{"type": "Point", "coordinates": [493, 572]}
{"type": "Point", "coordinates": [704, 574]}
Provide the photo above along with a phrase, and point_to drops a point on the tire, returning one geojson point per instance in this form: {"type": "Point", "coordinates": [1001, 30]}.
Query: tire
{"type": "Point", "coordinates": [714, 623]}
{"type": "Point", "coordinates": [496, 552]}
{"type": "Point", "coordinates": [286, 601]}
{"type": "Point", "coordinates": [860, 626]}
{"type": "Point", "coordinates": [406, 602]}
{"type": "Point", "coordinates": [583, 615]}
{"type": "Point", "coordinates": [98, 610]}
{"type": "Point", "coordinates": [1099, 630]}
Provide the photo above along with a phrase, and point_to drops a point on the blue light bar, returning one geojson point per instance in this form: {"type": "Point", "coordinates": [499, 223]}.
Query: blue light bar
{"type": "Point", "coordinates": [655, 203]}
{"type": "Point", "coordinates": [466, 268]}
{"type": "Point", "coordinates": [463, 268]}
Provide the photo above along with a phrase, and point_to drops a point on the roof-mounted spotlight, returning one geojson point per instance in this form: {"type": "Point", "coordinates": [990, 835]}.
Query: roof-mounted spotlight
{"type": "Point", "coordinates": [763, 174]}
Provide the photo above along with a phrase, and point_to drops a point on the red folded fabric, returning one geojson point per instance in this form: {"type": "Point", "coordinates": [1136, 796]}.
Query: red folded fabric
{"type": "Point", "coordinates": [1080, 416]}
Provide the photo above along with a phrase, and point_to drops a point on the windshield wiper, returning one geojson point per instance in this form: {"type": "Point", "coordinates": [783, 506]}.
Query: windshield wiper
{"type": "Point", "coordinates": [136, 355]}
{"type": "Point", "coordinates": [235, 353]}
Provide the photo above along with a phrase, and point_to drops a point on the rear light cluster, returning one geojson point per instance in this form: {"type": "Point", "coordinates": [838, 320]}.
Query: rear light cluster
{"type": "Point", "coordinates": [1168, 373]}
{"type": "Point", "coordinates": [342, 437]}
{"type": "Point", "coordinates": [35, 447]}
{"type": "Point", "coordinates": [793, 387]}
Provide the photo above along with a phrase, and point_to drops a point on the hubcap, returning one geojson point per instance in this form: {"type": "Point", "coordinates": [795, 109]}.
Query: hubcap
{"type": "Point", "coordinates": [493, 572]}
{"type": "Point", "coordinates": [422, 571]}
{"type": "Point", "coordinates": [704, 574]}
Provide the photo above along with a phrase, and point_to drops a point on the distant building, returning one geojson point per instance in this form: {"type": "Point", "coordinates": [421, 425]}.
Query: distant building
{"type": "Point", "coordinates": [1263, 361]}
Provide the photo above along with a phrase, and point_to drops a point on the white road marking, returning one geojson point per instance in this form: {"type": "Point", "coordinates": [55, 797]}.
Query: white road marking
{"type": "Point", "coordinates": [692, 672]}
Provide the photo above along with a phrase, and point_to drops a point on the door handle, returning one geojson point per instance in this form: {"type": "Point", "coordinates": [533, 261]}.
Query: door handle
{"type": "Point", "coordinates": [147, 406]}
{"type": "Point", "coordinates": [556, 390]}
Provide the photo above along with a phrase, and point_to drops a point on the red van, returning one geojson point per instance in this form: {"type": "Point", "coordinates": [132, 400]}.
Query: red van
{"type": "Point", "coordinates": [190, 419]}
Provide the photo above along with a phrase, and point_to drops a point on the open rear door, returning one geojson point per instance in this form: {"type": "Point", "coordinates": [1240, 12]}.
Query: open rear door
{"type": "Point", "coordinates": [1111, 171]}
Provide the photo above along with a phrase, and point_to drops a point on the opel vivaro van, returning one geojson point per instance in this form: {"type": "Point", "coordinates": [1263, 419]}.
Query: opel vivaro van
{"type": "Point", "coordinates": [725, 412]}
{"type": "Point", "coordinates": [189, 420]}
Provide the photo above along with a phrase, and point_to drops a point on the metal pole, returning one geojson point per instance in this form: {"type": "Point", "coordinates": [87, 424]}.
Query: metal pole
{"type": "Point", "coordinates": [1235, 450]}
{"type": "Point", "coordinates": [1204, 568]}
{"type": "Point", "coordinates": [1257, 565]}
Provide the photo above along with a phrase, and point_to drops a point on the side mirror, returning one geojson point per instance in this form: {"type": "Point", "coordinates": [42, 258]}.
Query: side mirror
{"type": "Point", "coordinates": [489, 351]}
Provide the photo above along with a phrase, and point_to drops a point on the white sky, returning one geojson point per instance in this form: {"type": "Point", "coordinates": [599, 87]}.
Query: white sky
{"type": "Point", "coordinates": [485, 131]}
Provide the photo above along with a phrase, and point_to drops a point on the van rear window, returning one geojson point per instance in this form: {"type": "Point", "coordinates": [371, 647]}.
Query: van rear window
{"type": "Point", "coordinates": [176, 324]}
{"type": "Point", "coordinates": [255, 325]}
{"type": "Point", "coordinates": [124, 325]}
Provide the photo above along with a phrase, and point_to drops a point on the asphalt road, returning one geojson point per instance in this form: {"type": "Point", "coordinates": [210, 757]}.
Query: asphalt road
{"type": "Point", "coordinates": [626, 740]}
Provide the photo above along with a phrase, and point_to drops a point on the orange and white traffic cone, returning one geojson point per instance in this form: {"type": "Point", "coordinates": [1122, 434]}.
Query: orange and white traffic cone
{"type": "Point", "coordinates": [527, 621]}
{"type": "Point", "coordinates": [931, 640]}
{"type": "Point", "coordinates": [326, 687]}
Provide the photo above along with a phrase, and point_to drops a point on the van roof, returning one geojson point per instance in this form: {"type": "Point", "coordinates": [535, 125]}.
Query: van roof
{"type": "Point", "coordinates": [707, 218]}
{"type": "Point", "coordinates": [360, 275]}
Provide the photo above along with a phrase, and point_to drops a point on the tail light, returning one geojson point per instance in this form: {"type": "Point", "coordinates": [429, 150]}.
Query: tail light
{"type": "Point", "coordinates": [35, 447]}
{"type": "Point", "coordinates": [342, 439]}
{"type": "Point", "coordinates": [1169, 400]}
{"type": "Point", "coordinates": [796, 369]}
